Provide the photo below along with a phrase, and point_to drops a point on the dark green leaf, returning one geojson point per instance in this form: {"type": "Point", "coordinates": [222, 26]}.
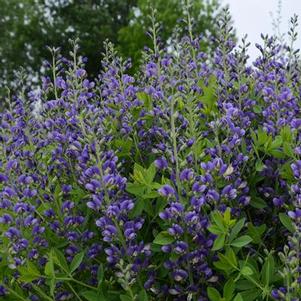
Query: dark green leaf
{"type": "Point", "coordinates": [215, 230]}
{"type": "Point", "coordinates": [29, 272]}
{"type": "Point", "coordinates": [256, 232]}
{"type": "Point", "coordinates": [286, 222]}
{"type": "Point", "coordinates": [268, 270]}
{"type": "Point", "coordinates": [150, 173]}
{"type": "Point", "coordinates": [100, 274]}
{"type": "Point", "coordinates": [135, 188]}
{"type": "Point", "coordinates": [163, 238]}
{"type": "Point", "coordinates": [218, 220]}
{"type": "Point", "coordinates": [49, 267]}
{"type": "Point", "coordinates": [229, 288]}
{"type": "Point", "coordinates": [246, 271]}
{"type": "Point", "coordinates": [92, 296]}
{"type": "Point", "coordinates": [125, 298]}
{"type": "Point", "coordinates": [241, 241]}
{"type": "Point", "coordinates": [250, 295]}
{"type": "Point", "coordinates": [76, 261]}
{"type": "Point", "coordinates": [213, 294]}
{"type": "Point", "coordinates": [258, 203]}
{"type": "Point", "coordinates": [236, 229]}
{"type": "Point", "coordinates": [238, 297]}
{"type": "Point", "coordinates": [219, 242]}
{"type": "Point", "coordinates": [142, 296]}
{"type": "Point", "coordinates": [60, 260]}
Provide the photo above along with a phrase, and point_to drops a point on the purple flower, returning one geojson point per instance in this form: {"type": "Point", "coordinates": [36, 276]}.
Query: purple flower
{"type": "Point", "coordinates": [12, 233]}
{"type": "Point", "coordinates": [3, 178]}
{"type": "Point", "coordinates": [295, 214]}
{"type": "Point", "coordinates": [80, 72]}
{"type": "Point", "coordinates": [278, 201]}
{"type": "Point", "coordinates": [186, 174]}
{"type": "Point", "coordinates": [179, 275]}
{"type": "Point", "coordinates": [166, 191]}
{"type": "Point", "coordinates": [161, 163]}
{"type": "Point", "coordinates": [3, 290]}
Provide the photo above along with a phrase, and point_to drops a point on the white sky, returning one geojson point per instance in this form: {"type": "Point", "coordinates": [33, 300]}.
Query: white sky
{"type": "Point", "coordinates": [253, 17]}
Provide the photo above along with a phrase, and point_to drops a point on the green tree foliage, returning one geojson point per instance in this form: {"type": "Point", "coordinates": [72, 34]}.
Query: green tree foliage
{"type": "Point", "coordinates": [169, 13]}
{"type": "Point", "coordinates": [28, 26]}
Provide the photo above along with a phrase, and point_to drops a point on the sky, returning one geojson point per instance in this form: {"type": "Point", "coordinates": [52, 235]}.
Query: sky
{"type": "Point", "coordinates": [253, 17]}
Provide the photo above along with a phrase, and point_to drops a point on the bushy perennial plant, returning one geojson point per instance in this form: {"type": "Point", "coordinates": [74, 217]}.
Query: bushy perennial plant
{"type": "Point", "coordinates": [180, 183]}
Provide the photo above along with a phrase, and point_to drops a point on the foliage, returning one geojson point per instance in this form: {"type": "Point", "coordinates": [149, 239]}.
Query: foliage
{"type": "Point", "coordinates": [170, 15]}
{"type": "Point", "coordinates": [29, 26]}
{"type": "Point", "coordinates": [182, 182]}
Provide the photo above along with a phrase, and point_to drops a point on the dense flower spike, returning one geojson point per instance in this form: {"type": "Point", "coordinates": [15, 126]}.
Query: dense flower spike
{"type": "Point", "coordinates": [182, 182]}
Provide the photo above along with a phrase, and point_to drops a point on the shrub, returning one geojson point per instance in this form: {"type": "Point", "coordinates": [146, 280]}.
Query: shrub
{"type": "Point", "coordinates": [180, 183]}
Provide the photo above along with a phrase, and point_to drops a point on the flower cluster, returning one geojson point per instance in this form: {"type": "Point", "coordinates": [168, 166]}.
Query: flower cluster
{"type": "Point", "coordinates": [182, 182]}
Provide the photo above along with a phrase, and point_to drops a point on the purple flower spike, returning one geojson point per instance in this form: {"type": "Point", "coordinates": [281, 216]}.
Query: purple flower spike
{"type": "Point", "coordinates": [161, 163]}
{"type": "Point", "coordinates": [166, 191]}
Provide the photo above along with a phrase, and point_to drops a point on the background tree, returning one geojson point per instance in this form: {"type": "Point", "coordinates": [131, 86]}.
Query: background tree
{"type": "Point", "coordinates": [28, 26]}
{"type": "Point", "coordinates": [169, 14]}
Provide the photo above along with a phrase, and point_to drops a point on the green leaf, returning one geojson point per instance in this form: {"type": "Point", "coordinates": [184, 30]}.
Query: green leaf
{"type": "Point", "coordinates": [125, 298]}
{"type": "Point", "coordinates": [100, 274]}
{"type": "Point", "coordinates": [262, 136]}
{"type": "Point", "coordinates": [288, 150]}
{"type": "Point", "coordinates": [238, 297]}
{"type": "Point", "coordinates": [250, 295]}
{"type": "Point", "coordinates": [27, 278]}
{"type": "Point", "coordinates": [213, 294]}
{"type": "Point", "coordinates": [231, 257]}
{"type": "Point", "coordinates": [244, 284]}
{"type": "Point", "coordinates": [218, 220]}
{"type": "Point", "coordinates": [32, 268]}
{"type": "Point", "coordinates": [139, 174]}
{"type": "Point", "coordinates": [215, 230]}
{"type": "Point", "coordinates": [150, 195]}
{"type": "Point", "coordinates": [257, 109]}
{"type": "Point", "coordinates": [241, 241]}
{"type": "Point", "coordinates": [259, 166]}
{"type": "Point", "coordinates": [258, 202]}
{"type": "Point", "coordinates": [219, 242]}
{"type": "Point", "coordinates": [227, 216]}
{"type": "Point", "coordinates": [163, 238]}
{"type": "Point", "coordinates": [256, 232]}
{"type": "Point", "coordinates": [246, 271]}
{"type": "Point", "coordinates": [60, 260]}
{"type": "Point", "coordinates": [236, 229]}
{"type": "Point", "coordinates": [209, 98]}
{"type": "Point", "coordinates": [135, 188]}
{"type": "Point", "coordinates": [150, 173]}
{"type": "Point", "coordinates": [142, 296]}
{"type": "Point", "coordinates": [92, 296]}
{"type": "Point", "coordinates": [228, 290]}
{"type": "Point", "coordinates": [146, 99]}
{"type": "Point", "coordinates": [124, 147]}
{"type": "Point", "coordinates": [76, 261]}
{"type": "Point", "coordinates": [49, 267]}
{"type": "Point", "coordinates": [268, 270]}
{"type": "Point", "coordinates": [138, 208]}
{"type": "Point", "coordinates": [29, 272]}
{"type": "Point", "coordinates": [286, 222]}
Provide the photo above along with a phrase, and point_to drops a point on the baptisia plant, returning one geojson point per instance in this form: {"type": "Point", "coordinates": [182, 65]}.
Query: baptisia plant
{"type": "Point", "coordinates": [181, 182]}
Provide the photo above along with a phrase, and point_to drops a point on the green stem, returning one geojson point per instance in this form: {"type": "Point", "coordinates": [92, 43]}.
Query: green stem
{"type": "Point", "coordinates": [74, 292]}
{"type": "Point", "coordinates": [42, 293]}
{"type": "Point", "coordinates": [16, 294]}
{"type": "Point", "coordinates": [174, 144]}
{"type": "Point", "coordinates": [78, 282]}
{"type": "Point", "coordinates": [54, 76]}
